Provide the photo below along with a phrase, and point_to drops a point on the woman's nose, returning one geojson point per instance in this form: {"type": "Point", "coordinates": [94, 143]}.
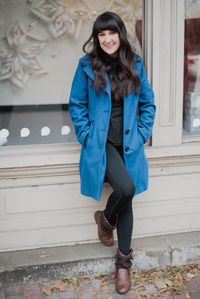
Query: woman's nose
{"type": "Point", "coordinates": [107, 38]}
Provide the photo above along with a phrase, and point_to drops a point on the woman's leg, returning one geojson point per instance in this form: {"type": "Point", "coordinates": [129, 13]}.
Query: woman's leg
{"type": "Point", "coordinates": [119, 204]}
{"type": "Point", "coordinates": [125, 229]}
{"type": "Point", "coordinates": [119, 207]}
{"type": "Point", "coordinates": [120, 181]}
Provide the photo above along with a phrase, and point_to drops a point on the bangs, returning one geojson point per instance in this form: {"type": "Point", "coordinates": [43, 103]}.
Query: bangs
{"type": "Point", "coordinates": [105, 24]}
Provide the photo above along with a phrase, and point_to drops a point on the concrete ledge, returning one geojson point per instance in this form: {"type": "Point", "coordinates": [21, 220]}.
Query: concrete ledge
{"type": "Point", "coordinates": [85, 259]}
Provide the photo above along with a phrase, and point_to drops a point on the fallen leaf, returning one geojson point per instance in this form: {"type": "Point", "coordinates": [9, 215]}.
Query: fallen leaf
{"type": "Point", "coordinates": [138, 295]}
{"type": "Point", "coordinates": [160, 284]}
{"type": "Point", "coordinates": [103, 288]}
{"type": "Point", "coordinates": [187, 295]}
{"type": "Point", "coordinates": [59, 285]}
{"type": "Point", "coordinates": [111, 276]}
{"type": "Point", "coordinates": [167, 282]}
{"type": "Point", "coordinates": [160, 292]}
{"type": "Point", "coordinates": [140, 288]}
{"type": "Point", "coordinates": [47, 291]}
{"type": "Point", "coordinates": [146, 296]}
{"type": "Point", "coordinates": [190, 275]}
{"type": "Point", "coordinates": [73, 281]}
{"type": "Point", "coordinates": [175, 269]}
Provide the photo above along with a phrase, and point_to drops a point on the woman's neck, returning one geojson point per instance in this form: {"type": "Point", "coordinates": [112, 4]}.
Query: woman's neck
{"type": "Point", "coordinates": [109, 59]}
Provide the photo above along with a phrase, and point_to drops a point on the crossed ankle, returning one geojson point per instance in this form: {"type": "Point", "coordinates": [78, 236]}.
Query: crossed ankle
{"type": "Point", "coordinates": [124, 251]}
{"type": "Point", "coordinates": [111, 220]}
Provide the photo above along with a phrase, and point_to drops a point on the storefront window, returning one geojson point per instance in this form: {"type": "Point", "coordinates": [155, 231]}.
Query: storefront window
{"type": "Point", "coordinates": [40, 44]}
{"type": "Point", "coordinates": [191, 113]}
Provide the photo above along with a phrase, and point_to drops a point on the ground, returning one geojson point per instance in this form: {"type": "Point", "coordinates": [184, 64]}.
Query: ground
{"type": "Point", "coordinates": [177, 282]}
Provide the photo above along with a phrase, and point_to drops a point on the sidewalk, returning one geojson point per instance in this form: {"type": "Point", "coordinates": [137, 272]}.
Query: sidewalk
{"type": "Point", "coordinates": [102, 287]}
{"type": "Point", "coordinates": [165, 267]}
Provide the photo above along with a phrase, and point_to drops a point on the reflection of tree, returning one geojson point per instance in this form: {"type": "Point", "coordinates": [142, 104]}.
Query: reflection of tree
{"type": "Point", "coordinates": [18, 59]}
{"type": "Point", "coordinates": [192, 53]}
{"type": "Point", "coordinates": [191, 112]}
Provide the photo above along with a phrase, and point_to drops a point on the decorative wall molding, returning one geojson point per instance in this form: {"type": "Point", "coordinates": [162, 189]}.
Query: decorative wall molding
{"type": "Point", "coordinates": [165, 165]}
{"type": "Point", "coordinates": [51, 155]}
{"type": "Point", "coordinates": [167, 70]}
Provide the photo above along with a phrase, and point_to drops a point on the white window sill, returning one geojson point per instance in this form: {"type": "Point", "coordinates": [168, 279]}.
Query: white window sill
{"type": "Point", "coordinates": [62, 154]}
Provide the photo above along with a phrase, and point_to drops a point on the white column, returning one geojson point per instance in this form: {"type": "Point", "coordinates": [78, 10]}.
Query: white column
{"type": "Point", "coordinates": [164, 58]}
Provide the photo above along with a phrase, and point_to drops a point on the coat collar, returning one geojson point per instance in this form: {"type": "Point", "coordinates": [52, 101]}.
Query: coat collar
{"type": "Point", "coordinates": [86, 64]}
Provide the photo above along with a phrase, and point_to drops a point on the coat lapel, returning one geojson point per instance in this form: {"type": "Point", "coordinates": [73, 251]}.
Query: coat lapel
{"type": "Point", "coordinates": [88, 70]}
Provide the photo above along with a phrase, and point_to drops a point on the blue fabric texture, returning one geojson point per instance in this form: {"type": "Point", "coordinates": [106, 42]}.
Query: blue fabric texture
{"type": "Point", "coordinates": [90, 113]}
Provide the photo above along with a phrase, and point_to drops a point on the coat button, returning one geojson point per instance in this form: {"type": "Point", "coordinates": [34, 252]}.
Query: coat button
{"type": "Point", "coordinates": [127, 131]}
{"type": "Point", "coordinates": [126, 149]}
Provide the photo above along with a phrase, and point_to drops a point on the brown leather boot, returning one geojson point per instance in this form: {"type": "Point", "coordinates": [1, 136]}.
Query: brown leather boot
{"type": "Point", "coordinates": [123, 265]}
{"type": "Point", "coordinates": [105, 229]}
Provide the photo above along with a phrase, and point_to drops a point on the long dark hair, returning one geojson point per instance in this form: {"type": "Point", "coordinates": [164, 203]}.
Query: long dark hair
{"type": "Point", "coordinates": [129, 81]}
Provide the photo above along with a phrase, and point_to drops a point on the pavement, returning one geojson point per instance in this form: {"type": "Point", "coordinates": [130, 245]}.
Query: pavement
{"type": "Point", "coordinates": [96, 288]}
{"type": "Point", "coordinates": [163, 267]}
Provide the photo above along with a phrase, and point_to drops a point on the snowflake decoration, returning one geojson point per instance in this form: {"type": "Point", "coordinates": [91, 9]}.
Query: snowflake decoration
{"type": "Point", "coordinates": [67, 16]}
{"type": "Point", "coordinates": [59, 16]}
{"type": "Point", "coordinates": [18, 56]}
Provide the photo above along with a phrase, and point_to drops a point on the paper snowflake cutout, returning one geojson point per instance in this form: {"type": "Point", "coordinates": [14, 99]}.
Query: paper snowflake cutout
{"type": "Point", "coordinates": [18, 56]}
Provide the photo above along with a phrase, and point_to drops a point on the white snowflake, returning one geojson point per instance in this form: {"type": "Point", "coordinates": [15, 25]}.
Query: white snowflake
{"type": "Point", "coordinates": [18, 55]}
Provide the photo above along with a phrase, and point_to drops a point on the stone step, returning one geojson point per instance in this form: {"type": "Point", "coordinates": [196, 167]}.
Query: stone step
{"type": "Point", "coordinates": [87, 259]}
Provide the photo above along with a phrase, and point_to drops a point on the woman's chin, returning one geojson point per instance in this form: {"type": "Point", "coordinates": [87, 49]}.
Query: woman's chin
{"type": "Point", "coordinates": [111, 52]}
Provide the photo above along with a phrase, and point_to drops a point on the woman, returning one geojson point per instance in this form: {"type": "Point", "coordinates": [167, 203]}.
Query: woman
{"type": "Point", "coordinates": [112, 108]}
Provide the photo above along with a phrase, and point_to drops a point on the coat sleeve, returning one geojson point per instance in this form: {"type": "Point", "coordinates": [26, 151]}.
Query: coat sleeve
{"type": "Point", "coordinates": [146, 106]}
{"type": "Point", "coordinates": [78, 104]}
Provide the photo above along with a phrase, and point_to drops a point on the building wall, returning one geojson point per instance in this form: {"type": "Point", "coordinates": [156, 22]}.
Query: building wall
{"type": "Point", "coordinates": [41, 205]}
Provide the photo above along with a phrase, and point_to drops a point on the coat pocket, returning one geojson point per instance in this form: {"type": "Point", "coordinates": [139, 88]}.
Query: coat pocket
{"type": "Point", "coordinates": [89, 136]}
{"type": "Point", "coordinates": [140, 138]}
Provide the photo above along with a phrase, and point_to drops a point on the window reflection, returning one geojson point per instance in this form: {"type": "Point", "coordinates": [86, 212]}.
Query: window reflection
{"type": "Point", "coordinates": [191, 115]}
{"type": "Point", "coordinates": [40, 44]}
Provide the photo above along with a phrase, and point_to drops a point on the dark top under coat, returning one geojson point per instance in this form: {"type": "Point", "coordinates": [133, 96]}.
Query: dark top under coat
{"type": "Point", "coordinates": [115, 131]}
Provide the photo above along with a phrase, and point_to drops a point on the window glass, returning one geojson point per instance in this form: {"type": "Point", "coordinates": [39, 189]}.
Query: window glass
{"type": "Point", "coordinates": [191, 113]}
{"type": "Point", "coordinates": [40, 44]}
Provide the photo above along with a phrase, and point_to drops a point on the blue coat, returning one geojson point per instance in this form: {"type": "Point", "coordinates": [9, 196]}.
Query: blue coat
{"type": "Point", "coordinates": [90, 113]}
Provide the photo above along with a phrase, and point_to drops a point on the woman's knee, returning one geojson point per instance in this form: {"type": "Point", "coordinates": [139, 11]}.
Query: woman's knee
{"type": "Point", "coordinates": [127, 191]}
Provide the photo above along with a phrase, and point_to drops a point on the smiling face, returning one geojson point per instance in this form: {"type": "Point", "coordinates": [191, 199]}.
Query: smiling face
{"type": "Point", "coordinates": [109, 41]}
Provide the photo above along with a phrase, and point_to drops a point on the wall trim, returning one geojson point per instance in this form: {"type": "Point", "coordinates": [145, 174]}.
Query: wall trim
{"type": "Point", "coordinates": [162, 161]}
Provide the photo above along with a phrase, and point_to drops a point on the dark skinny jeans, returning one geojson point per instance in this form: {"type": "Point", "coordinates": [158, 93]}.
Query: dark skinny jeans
{"type": "Point", "coordinates": [119, 205]}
